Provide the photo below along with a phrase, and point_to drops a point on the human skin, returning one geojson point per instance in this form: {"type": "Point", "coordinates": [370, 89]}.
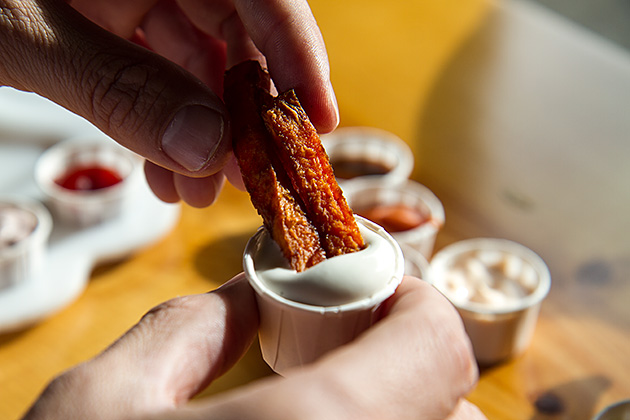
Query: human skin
{"type": "Point", "coordinates": [414, 363]}
{"type": "Point", "coordinates": [164, 101]}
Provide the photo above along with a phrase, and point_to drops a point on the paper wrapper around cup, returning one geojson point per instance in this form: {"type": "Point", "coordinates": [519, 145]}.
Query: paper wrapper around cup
{"type": "Point", "coordinates": [293, 334]}
{"type": "Point", "coordinates": [293, 337]}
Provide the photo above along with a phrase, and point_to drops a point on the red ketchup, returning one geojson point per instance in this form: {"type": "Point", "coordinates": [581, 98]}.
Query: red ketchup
{"type": "Point", "coordinates": [88, 178]}
{"type": "Point", "coordinates": [394, 217]}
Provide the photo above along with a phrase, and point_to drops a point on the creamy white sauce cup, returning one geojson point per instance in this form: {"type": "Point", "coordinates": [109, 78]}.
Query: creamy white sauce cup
{"type": "Point", "coordinates": [293, 333]}
{"type": "Point", "coordinates": [499, 313]}
{"type": "Point", "coordinates": [23, 259]}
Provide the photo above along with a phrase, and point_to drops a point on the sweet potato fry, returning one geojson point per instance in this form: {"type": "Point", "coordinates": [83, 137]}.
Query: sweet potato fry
{"type": "Point", "coordinates": [306, 163]}
{"type": "Point", "coordinates": [246, 89]}
{"type": "Point", "coordinates": [286, 171]}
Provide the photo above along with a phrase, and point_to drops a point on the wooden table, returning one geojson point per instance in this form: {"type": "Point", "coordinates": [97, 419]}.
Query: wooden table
{"type": "Point", "coordinates": [421, 70]}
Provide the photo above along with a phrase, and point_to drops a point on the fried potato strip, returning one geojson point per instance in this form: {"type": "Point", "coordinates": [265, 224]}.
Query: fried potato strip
{"type": "Point", "coordinates": [306, 163]}
{"type": "Point", "coordinates": [246, 89]}
{"type": "Point", "coordinates": [286, 170]}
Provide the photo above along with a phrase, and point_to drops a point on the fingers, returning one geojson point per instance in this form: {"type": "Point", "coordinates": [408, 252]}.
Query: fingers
{"type": "Point", "coordinates": [467, 411]}
{"type": "Point", "coordinates": [287, 35]}
{"type": "Point", "coordinates": [421, 342]}
{"type": "Point", "coordinates": [197, 192]}
{"type": "Point", "coordinates": [284, 31]}
{"type": "Point", "coordinates": [175, 351]}
{"type": "Point", "coordinates": [161, 182]}
{"type": "Point", "coordinates": [144, 101]}
{"type": "Point", "coordinates": [414, 363]}
{"type": "Point", "coordinates": [281, 29]}
{"type": "Point", "coordinates": [121, 17]}
{"type": "Point", "coordinates": [170, 33]}
{"type": "Point", "coordinates": [185, 343]}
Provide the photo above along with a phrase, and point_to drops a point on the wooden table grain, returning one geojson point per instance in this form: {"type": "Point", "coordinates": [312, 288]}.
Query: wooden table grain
{"type": "Point", "coordinates": [408, 67]}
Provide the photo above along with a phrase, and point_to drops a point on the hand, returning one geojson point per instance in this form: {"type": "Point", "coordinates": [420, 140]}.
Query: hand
{"type": "Point", "coordinates": [415, 363]}
{"type": "Point", "coordinates": [163, 101]}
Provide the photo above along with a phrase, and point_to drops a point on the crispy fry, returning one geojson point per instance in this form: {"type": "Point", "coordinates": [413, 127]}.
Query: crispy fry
{"type": "Point", "coordinates": [246, 88]}
{"type": "Point", "coordinates": [286, 171]}
{"type": "Point", "coordinates": [306, 163]}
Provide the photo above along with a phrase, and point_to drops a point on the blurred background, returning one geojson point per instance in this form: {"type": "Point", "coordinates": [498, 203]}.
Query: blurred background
{"type": "Point", "coordinates": [608, 18]}
{"type": "Point", "coordinates": [518, 115]}
{"type": "Point", "coordinates": [517, 112]}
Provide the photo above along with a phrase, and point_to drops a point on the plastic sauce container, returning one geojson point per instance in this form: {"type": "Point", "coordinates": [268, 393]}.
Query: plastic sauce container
{"type": "Point", "coordinates": [498, 287]}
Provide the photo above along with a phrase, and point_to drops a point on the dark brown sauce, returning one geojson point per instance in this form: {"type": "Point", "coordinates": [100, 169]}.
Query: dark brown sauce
{"type": "Point", "coordinates": [350, 168]}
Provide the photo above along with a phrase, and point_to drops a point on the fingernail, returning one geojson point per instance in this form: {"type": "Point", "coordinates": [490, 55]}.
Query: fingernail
{"type": "Point", "coordinates": [193, 136]}
{"type": "Point", "coordinates": [333, 102]}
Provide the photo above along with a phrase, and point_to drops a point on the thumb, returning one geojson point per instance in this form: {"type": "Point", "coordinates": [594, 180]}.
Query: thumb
{"type": "Point", "coordinates": [139, 98]}
{"type": "Point", "coordinates": [182, 345]}
{"type": "Point", "coordinates": [177, 349]}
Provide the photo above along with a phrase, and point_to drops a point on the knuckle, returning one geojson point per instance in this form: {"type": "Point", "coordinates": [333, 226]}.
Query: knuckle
{"type": "Point", "coordinates": [451, 336]}
{"type": "Point", "coordinates": [168, 310]}
{"type": "Point", "coordinates": [75, 381]}
{"type": "Point", "coordinates": [123, 93]}
{"type": "Point", "coordinates": [462, 355]}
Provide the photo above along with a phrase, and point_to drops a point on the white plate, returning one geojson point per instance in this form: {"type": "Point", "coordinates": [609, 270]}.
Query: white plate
{"type": "Point", "coordinates": [72, 252]}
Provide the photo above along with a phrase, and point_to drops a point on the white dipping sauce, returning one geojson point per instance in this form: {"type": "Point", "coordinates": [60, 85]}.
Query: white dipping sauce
{"type": "Point", "coordinates": [492, 278]}
{"type": "Point", "coordinates": [16, 224]}
{"type": "Point", "coordinates": [334, 281]}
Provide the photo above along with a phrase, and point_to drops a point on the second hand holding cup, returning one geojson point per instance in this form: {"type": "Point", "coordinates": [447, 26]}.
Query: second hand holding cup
{"type": "Point", "coordinates": [294, 333]}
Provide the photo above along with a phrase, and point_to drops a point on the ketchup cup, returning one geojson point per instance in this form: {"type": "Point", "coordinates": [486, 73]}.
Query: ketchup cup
{"type": "Point", "coordinates": [86, 180]}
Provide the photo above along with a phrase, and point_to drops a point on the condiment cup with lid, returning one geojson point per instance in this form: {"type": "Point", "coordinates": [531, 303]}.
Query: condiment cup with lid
{"type": "Point", "coordinates": [25, 227]}
{"type": "Point", "coordinates": [86, 180]}
{"type": "Point", "coordinates": [497, 286]}
{"type": "Point", "coordinates": [408, 210]}
{"type": "Point", "coordinates": [359, 152]}
{"type": "Point", "coordinates": [302, 321]}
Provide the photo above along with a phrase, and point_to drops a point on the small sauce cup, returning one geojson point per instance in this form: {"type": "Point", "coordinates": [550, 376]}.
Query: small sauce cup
{"type": "Point", "coordinates": [86, 181]}
{"type": "Point", "coordinates": [616, 411]}
{"type": "Point", "coordinates": [293, 333]}
{"type": "Point", "coordinates": [498, 287]}
{"type": "Point", "coordinates": [359, 152]}
{"type": "Point", "coordinates": [416, 264]}
{"type": "Point", "coordinates": [25, 227]}
{"type": "Point", "coordinates": [408, 210]}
